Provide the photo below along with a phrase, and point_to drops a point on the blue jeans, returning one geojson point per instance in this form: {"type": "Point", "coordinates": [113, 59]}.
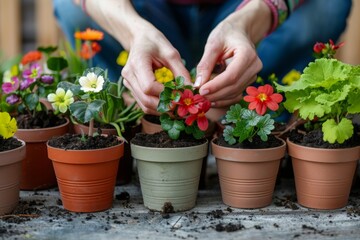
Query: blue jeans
{"type": "Point", "coordinates": [187, 28]}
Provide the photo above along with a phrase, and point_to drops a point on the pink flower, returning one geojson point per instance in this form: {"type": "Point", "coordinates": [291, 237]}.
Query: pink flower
{"type": "Point", "coordinates": [12, 86]}
{"type": "Point", "coordinates": [262, 98]}
{"type": "Point", "coordinates": [12, 99]}
{"type": "Point", "coordinates": [318, 47]}
{"type": "Point", "coordinates": [33, 72]}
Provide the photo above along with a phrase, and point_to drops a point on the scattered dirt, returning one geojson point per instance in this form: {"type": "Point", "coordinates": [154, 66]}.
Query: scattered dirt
{"type": "Point", "coordinates": [287, 202]}
{"type": "Point", "coordinates": [230, 227]}
{"type": "Point", "coordinates": [80, 142]}
{"type": "Point", "coordinates": [168, 208]}
{"type": "Point", "coordinates": [162, 140]}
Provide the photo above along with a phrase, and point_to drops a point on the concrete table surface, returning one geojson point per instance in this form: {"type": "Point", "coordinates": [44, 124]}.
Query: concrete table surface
{"type": "Point", "coordinates": [41, 216]}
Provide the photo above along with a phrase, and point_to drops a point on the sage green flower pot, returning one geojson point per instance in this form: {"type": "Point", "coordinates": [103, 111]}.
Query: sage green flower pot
{"type": "Point", "coordinates": [169, 176]}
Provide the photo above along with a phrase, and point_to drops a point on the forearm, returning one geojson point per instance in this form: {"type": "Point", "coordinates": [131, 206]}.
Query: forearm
{"type": "Point", "coordinates": [118, 18]}
{"type": "Point", "coordinates": [254, 18]}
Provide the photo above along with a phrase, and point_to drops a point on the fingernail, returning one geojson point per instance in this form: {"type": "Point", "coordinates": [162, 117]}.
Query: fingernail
{"type": "Point", "coordinates": [198, 81]}
{"type": "Point", "coordinates": [213, 104]}
{"type": "Point", "coordinates": [203, 92]}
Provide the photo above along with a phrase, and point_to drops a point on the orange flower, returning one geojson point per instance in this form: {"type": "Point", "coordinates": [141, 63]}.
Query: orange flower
{"type": "Point", "coordinates": [31, 56]}
{"type": "Point", "coordinates": [89, 35]}
{"type": "Point", "coordinates": [87, 53]}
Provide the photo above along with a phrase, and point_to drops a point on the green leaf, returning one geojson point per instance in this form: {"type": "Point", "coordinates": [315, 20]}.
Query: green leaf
{"type": "Point", "coordinates": [334, 132]}
{"type": "Point", "coordinates": [57, 63]}
{"type": "Point", "coordinates": [251, 117]}
{"type": "Point", "coordinates": [330, 98]}
{"type": "Point", "coordinates": [354, 102]}
{"type": "Point", "coordinates": [233, 114]}
{"type": "Point", "coordinates": [228, 135]}
{"type": "Point", "coordinates": [265, 126]}
{"type": "Point", "coordinates": [48, 50]}
{"type": "Point", "coordinates": [84, 111]}
{"type": "Point", "coordinates": [31, 101]}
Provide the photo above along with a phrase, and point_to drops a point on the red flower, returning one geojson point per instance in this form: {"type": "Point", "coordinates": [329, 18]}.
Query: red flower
{"type": "Point", "coordinates": [200, 117]}
{"type": "Point", "coordinates": [262, 98]}
{"type": "Point", "coordinates": [318, 47]}
{"type": "Point", "coordinates": [31, 56]}
{"type": "Point", "coordinates": [333, 46]}
{"type": "Point", "coordinates": [188, 103]}
{"type": "Point", "coordinates": [87, 53]}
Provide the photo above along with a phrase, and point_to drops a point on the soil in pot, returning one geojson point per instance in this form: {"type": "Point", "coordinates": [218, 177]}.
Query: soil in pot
{"type": "Point", "coordinates": [257, 143]}
{"type": "Point", "coordinates": [9, 144]}
{"type": "Point", "coordinates": [162, 140]}
{"type": "Point", "coordinates": [77, 142]}
{"type": "Point", "coordinates": [41, 119]}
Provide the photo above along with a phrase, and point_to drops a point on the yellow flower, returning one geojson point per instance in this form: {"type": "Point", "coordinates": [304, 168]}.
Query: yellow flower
{"type": "Point", "coordinates": [8, 125]}
{"type": "Point", "coordinates": [61, 100]}
{"type": "Point", "coordinates": [91, 82]}
{"type": "Point", "coordinates": [122, 58]}
{"type": "Point", "coordinates": [291, 77]}
{"type": "Point", "coordinates": [163, 75]}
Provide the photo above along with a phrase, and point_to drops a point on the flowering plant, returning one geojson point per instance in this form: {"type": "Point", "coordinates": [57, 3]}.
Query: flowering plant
{"type": "Point", "coordinates": [327, 93]}
{"type": "Point", "coordinates": [243, 123]}
{"type": "Point", "coordinates": [182, 108]}
{"type": "Point", "coordinates": [8, 127]}
{"type": "Point", "coordinates": [94, 98]}
{"type": "Point", "coordinates": [30, 79]}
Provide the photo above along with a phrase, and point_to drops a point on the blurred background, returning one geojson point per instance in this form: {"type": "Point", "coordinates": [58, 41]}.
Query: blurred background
{"type": "Point", "coordinates": [27, 24]}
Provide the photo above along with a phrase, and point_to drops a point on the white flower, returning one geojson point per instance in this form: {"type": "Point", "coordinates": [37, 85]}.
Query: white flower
{"type": "Point", "coordinates": [91, 82]}
{"type": "Point", "coordinates": [61, 100]}
{"type": "Point", "coordinates": [7, 76]}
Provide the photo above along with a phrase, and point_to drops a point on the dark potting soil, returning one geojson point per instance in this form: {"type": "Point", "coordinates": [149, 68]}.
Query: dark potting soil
{"type": "Point", "coordinates": [162, 140]}
{"type": "Point", "coordinates": [41, 119]}
{"type": "Point", "coordinates": [314, 139]}
{"type": "Point", "coordinates": [9, 144]}
{"type": "Point", "coordinates": [257, 143]}
{"type": "Point", "coordinates": [79, 142]}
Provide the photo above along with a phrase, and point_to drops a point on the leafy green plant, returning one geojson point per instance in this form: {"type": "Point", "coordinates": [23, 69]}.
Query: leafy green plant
{"type": "Point", "coordinates": [243, 124]}
{"type": "Point", "coordinates": [93, 98]}
{"type": "Point", "coordinates": [327, 93]}
{"type": "Point", "coordinates": [182, 109]}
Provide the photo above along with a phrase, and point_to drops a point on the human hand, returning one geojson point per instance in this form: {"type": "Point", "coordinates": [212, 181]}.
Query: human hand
{"type": "Point", "coordinates": [231, 43]}
{"type": "Point", "coordinates": [150, 50]}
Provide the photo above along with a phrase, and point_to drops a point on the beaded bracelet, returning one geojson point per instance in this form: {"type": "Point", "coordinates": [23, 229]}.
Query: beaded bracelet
{"type": "Point", "coordinates": [279, 12]}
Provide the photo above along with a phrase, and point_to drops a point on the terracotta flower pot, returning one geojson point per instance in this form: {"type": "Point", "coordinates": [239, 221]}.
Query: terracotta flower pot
{"type": "Point", "coordinates": [37, 170]}
{"type": "Point", "coordinates": [86, 178]}
{"type": "Point", "coordinates": [247, 176]}
{"type": "Point", "coordinates": [10, 174]}
{"type": "Point", "coordinates": [323, 177]}
{"type": "Point", "coordinates": [126, 164]}
{"type": "Point", "coordinates": [169, 175]}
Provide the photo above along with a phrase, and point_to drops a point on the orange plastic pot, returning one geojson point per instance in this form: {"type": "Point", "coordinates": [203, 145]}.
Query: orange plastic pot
{"type": "Point", "coordinates": [37, 170]}
{"type": "Point", "coordinates": [247, 176]}
{"type": "Point", "coordinates": [323, 177]}
{"type": "Point", "coordinates": [86, 178]}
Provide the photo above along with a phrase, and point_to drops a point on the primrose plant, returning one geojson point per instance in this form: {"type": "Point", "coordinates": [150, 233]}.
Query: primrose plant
{"type": "Point", "coordinates": [327, 94]}
{"type": "Point", "coordinates": [93, 98]}
{"type": "Point", "coordinates": [182, 109]}
{"type": "Point", "coordinates": [243, 124]}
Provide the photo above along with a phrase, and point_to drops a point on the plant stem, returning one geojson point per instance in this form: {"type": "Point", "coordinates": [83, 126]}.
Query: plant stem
{"type": "Point", "coordinates": [91, 127]}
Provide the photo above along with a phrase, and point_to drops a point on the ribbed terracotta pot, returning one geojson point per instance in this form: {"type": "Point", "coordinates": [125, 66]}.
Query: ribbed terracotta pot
{"type": "Point", "coordinates": [10, 174]}
{"type": "Point", "coordinates": [169, 175]}
{"type": "Point", "coordinates": [37, 170]}
{"type": "Point", "coordinates": [126, 164]}
{"type": "Point", "coordinates": [323, 177]}
{"type": "Point", "coordinates": [247, 176]}
{"type": "Point", "coordinates": [86, 178]}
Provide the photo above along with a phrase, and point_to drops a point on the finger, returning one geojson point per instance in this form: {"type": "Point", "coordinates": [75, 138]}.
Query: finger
{"type": "Point", "coordinates": [146, 103]}
{"type": "Point", "coordinates": [175, 64]}
{"type": "Point", "coordinates": [207, 63]}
